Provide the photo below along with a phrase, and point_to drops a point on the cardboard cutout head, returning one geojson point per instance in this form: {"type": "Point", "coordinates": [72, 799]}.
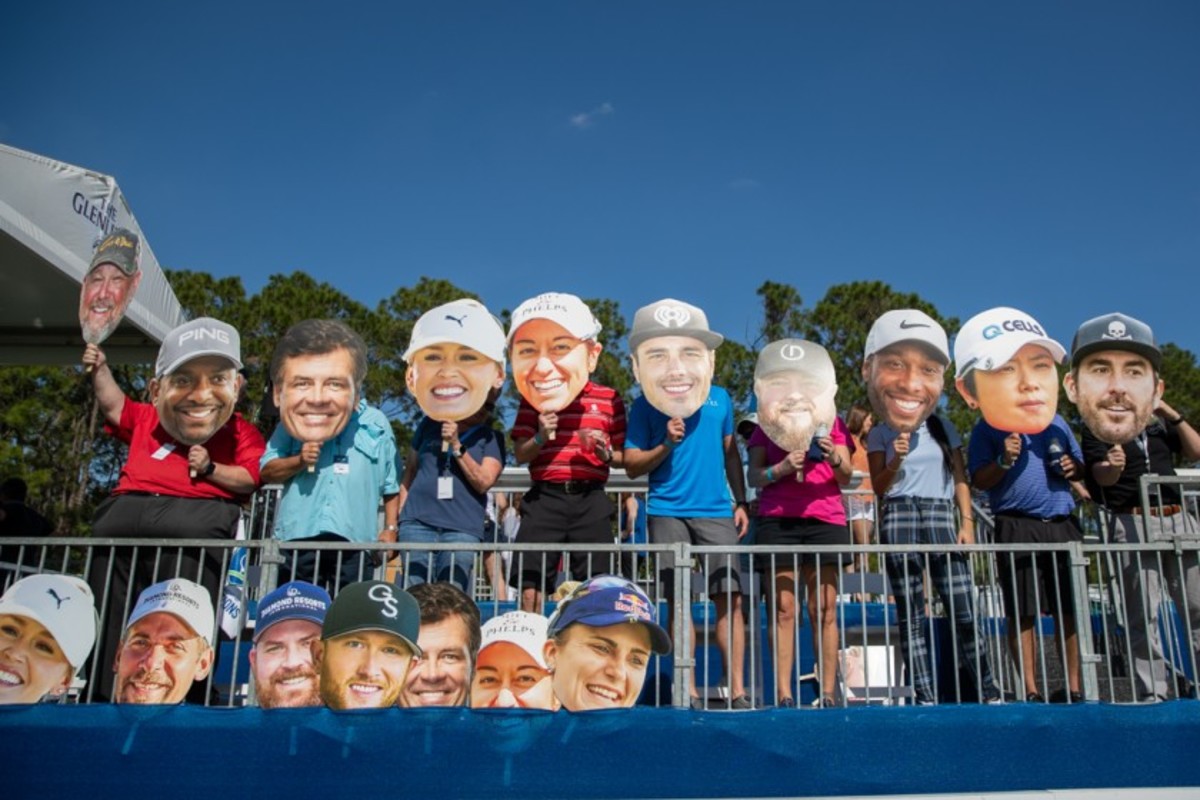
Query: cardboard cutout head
{"type": "Point", "coordinates": [317, 373]}
{"type": "Point", "coordinates": [904, 365]}
{"type": "Point", "coordinates": [47, 630]}
{"type": "Point", "coordinates": [511, 670]}
{"type": "Point", "coordinates": [795, 390]}
{"type": "Point", "coordinates": [368, 642]}
{"type": "Point", "coordinates": [110, 284]}
{"type": "Point", "coordinates": [455, 358]}
{"type": "Point", "coordinates": [196, 381]}
{"type": "Point", "coordinates": [285, 635]}
{"type": "Point", "coordinates": [167, 644]}
{"type": "Point", "coordinates": [600, 641]}
{"type": "Point", "coordinates": [553, 347]}
{"type": "Point", "coordinates": [1007, 369]}
{"type": "Point", "coordinates": [1114, 376]}
{"type": "Point", "coordinates": [674, 355]}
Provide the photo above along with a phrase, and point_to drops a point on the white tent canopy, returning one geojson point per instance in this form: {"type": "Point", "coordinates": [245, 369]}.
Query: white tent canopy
{"type": "Point", "coordinates": [51, 217]}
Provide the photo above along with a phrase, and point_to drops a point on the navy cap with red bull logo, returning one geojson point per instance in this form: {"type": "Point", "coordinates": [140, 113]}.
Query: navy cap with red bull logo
{"type": "Point", "coordinates": [610, 600]}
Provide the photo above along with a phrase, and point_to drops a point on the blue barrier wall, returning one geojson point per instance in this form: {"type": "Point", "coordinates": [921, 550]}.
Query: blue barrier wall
{"type": "Point", "coordinates": [103, 751]}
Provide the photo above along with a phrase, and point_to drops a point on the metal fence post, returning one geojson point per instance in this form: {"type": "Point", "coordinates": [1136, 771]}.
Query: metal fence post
{"type": "Point", "coordinates": [685, 661]}
{"type": "Point", "coordinates": [1088, 658]}
{"type": "Point", "coordinates": [269, 558]}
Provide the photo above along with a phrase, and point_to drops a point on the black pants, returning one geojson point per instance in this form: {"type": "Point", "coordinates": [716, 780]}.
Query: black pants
{"type": "Point", "coordinates": [118, 575]}
{"type": "Point", "coordinates": [329, 569]}
{"type": "Point", "coordinates": [550, 515]}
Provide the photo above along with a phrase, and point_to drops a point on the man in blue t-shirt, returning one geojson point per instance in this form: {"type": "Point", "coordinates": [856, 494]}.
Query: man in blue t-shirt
{"type": "Point", "coordinates": [693, 462]}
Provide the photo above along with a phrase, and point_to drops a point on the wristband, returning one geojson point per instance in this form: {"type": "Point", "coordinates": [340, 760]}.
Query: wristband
{"type": "Point", "coordinates": [838, 465]}
{"type": "Point", "coordinates": [770, 475]}
{"type": "Point", "coordinates": [537, 438]}
{"type": "Point", "coordinates": [1175, 423]}
{"type": "Point", "coordinates": [1000, 462]}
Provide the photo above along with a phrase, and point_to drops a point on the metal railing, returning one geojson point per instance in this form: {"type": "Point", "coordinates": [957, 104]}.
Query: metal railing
{"type": "Point", "coordinates": [1098, 581]}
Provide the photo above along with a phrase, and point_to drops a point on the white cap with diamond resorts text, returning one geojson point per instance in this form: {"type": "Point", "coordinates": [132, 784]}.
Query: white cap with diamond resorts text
{"type": "Point", "coordinates": [186, 600]}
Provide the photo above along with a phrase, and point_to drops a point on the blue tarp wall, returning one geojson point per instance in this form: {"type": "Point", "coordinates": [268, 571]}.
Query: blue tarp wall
{"type": "Point", "coordinates": [105, 751]}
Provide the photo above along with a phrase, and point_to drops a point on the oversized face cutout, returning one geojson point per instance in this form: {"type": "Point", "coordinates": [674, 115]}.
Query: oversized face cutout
{"type": "Point", "coordinates": [32, 665]}
{"type": "Point", "coordinates": [363, 669]}
{"type": "Point", "coordinates": [792, 405]}
{"type": "Point", "coordinates": [904, 385]}
{"type": "Point", "coordinates": [1116, 393]}
{"type": "Point", "coordinates": [197, 399]}
{"type": "Point", "coordinates": [316, 395]}
{"type": "Point", "coordinates": [508, 677]}
{"type": "Point", "coordinates": [104, 298]}
{"type": "Point", "coordinates": [158, 660]}
{"type": "Point", "coordinates": [285, 675]}
{"type": "Point", "coordinates": [550, 366]}
{"type": "Point", "coordinates": [1021, 395]}
{"type": "Point", "coordinates": [451, 382]}
{"type": "Point", "coordinates": [675, 373]}
{"type": "Point", "coordinates": [598, 668]}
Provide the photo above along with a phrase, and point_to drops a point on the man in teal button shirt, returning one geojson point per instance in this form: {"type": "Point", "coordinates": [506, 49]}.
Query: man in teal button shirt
{"type": "Point", "coordinates": [334, 454]}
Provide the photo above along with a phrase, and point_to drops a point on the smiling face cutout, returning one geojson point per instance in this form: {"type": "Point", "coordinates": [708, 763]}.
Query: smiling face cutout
{"type": "Point", "coordinates": [675, 373]}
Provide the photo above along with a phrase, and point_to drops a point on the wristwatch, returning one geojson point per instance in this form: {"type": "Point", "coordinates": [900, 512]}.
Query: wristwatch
{"type": "Point", "coordinates": [1175, 423]}
{"type": "Point", "coordinates": [457, 453]}
{"type": "Point", "coordinates": [391, 527]}
{"type": "Point", "coordinates": [209, 470]}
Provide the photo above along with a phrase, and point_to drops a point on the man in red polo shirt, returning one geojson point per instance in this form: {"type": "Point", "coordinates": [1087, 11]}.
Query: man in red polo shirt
{"type": "Point", "coordinates": [192, 462]}
{"type": "Point", "coordinates": [569, 430]}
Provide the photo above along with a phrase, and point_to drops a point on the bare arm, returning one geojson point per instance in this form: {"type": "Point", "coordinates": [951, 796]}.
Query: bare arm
{"type": "Point", "coordinates": [1188, 437]}
{"type": "Point", "coordinates": [108, 393]}
{"type": "Point", "coordinates": [962, 498]}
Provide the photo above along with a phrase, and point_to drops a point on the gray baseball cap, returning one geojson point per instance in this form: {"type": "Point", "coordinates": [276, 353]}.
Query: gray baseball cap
{"type": "Point", "coordinates": [1115, 331]}
{"type": "Point", "coordinates": [795, 355]}
{"type": "Point", "coordinates": [672, 318]}
{"type": "Point", "coordinates": [907, 325]}
{"type": "Point", "coordinates": [200, 337]}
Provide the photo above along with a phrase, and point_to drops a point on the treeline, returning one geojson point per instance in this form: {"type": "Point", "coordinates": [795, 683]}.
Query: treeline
{"type": "Point", "coordinates": [51, 433]}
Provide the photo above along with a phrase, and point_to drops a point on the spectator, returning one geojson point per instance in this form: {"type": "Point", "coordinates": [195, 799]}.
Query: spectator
{"type": "Point", "coordinates": [47, 629]}
{"type": "Point", "coordinates": [368, 642]}
{"type": "Point", "coordinates": [1006, 367]}
{"type": "Point", "coordinates": [692, 462]}
{"type": "Point", "coordinates": [448, 640]}
{"type": "Point", "coordinates": [511, 670]}
{"type": "Point", "coordinates": [455, 369]}
{"type": "Point", "coordinates": [1129, 431]}
{"type": "Point", "coordinates": [334, 454]}
{"type": "Point", "coordinates": [569, 430]}
{"type": "Point", "coordinates": [862, 496]}
{"type": "Point", "coordinates": [285, 633]}
{"type": "Point", "coordinates": [599, 644]}
{"type": "Point", "coordinates": [167, 644]}
{"type": "Point", "coordinates": [192, 463]}
{"type": "Point", "coordinates": [496, 562]}
{"type": "Point", "coordinates": [18, 520]}
{"type": "Point", "coordinates": [917, 466]}
{"type": "Point", "coordinates": [800, 500]}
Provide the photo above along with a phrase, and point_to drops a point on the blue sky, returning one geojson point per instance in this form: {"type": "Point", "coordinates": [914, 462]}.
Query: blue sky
{"type": "Point", "coordinates": [1037, 154]}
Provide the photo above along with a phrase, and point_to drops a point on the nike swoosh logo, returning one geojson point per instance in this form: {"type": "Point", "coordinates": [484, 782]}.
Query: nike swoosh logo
{"type": "Point", "coordinates": [905, 325]}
